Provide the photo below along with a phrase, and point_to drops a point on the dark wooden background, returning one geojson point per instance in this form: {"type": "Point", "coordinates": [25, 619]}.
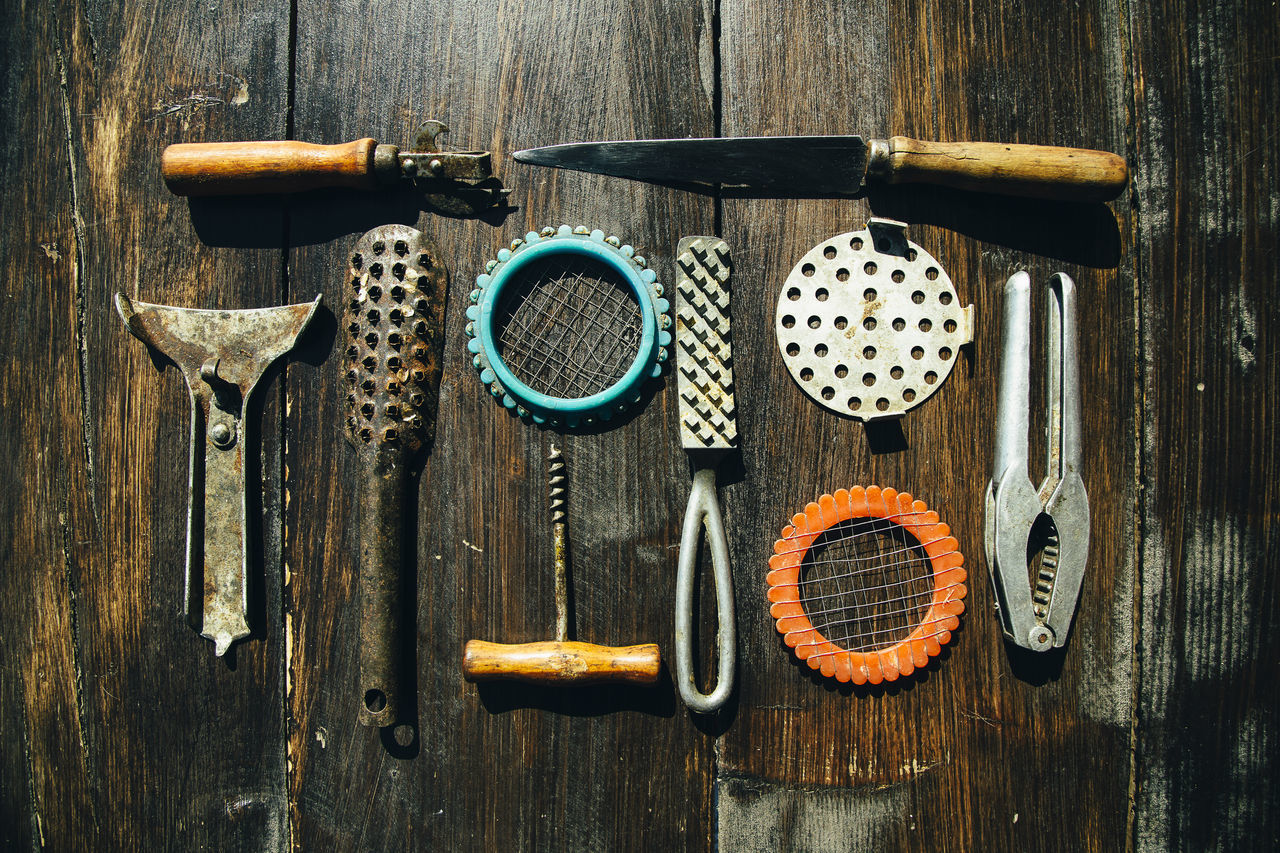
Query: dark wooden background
{"type": "Point", "coordinates": [119, 730]}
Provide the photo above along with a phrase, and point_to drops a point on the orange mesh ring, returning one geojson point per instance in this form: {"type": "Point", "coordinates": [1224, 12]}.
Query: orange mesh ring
{"type": "Point", "coordinates": [924, 642]}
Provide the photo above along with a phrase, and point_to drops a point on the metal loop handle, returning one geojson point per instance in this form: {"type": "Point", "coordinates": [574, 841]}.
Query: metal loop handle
{"type": "Point", "coordinates": [704, 512]}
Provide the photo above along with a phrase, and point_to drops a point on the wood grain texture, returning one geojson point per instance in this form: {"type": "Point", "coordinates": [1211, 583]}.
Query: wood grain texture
{"type": "Point", "coordinates": [136, 735]}
{"type": "Point", "coordinates": [973, 743]}
{"type": "Point", "coordinates": [542, 765]}
{"type": "Point", "coordinates": [1156, 729]}
{"type": "Point", "coordinates": [1037, 171]}
{"type": "Point", "coordinates": [565, 663]}
{"type": "Point", "coordinates": [1209, 713]}
{"type": "Point", "coordinates": [49, 776]}
{"type": "Point", "coordinates": [266, 166]}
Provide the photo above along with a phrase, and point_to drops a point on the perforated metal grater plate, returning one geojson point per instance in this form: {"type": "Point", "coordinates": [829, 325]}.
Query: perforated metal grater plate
{"type": "Point", "coordinates": [869, 323]}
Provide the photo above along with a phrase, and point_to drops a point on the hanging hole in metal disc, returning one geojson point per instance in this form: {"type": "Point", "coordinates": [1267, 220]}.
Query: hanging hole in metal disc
{"type": "Point", "coordinates": [868, 298]}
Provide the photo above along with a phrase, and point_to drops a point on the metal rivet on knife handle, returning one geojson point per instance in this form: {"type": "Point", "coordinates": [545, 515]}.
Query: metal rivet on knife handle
{"type": "Point", "coordinates": [222, 356]}
{"type": "Point", "coordinates": [394, 325]}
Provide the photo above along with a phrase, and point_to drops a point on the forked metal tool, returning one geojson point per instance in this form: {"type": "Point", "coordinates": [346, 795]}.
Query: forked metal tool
{"type": "Point", "coordinates": [222, 356]}
{"type": "Point", "coordinates": [1053, 519]}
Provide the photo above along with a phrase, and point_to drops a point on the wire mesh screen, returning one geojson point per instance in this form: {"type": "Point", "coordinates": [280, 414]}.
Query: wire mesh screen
{"type": "Point", "coordinates": [866, 584]}
{"type": "Point", "coordinates": [568, 328]}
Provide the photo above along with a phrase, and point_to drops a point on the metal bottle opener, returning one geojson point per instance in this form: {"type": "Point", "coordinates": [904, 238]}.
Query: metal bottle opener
{"type": "Point", "coordinates": [222, 356]}
{"type": "Point", "coordinates": [1055, 515]}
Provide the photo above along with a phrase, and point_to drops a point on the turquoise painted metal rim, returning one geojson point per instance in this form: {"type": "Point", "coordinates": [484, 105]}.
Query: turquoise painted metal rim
{"type": "Point", "coordinates": [604, 401]}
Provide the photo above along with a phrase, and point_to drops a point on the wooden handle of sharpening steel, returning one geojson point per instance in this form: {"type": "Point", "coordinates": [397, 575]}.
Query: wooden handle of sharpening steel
{"type": "Point", "coordinates": [231, 168]}
{"type": "Point", "coordinates": [553, 662]}
{"type": "Point", "coordinates": [1038, 171]}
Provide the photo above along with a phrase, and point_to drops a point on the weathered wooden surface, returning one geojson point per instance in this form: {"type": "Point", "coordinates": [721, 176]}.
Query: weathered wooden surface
{"type": "Point", "coordinates": [133, 733]}
{"type": "Point", "coordinates": [118, 728]}
{"type": "Point", "coordinates": [1207, 230]}
{"type": "Point", "coordinates": [498, 766]}
{"type": "Point", "coordinates": [964, 756]}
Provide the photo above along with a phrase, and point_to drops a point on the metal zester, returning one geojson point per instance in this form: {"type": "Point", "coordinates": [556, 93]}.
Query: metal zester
{"type": "Point", "coordinates": [708, 430]}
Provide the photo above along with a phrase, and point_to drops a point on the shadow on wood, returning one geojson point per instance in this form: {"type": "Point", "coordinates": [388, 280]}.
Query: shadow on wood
{"type": "Point", "coordinates": [1072, 232]}
{"type": "Point", "coordinates": [594, 700]}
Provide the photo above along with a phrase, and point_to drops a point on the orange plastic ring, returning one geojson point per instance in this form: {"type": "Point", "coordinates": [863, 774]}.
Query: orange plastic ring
{"type": "Point", "coordinates": [925, 640]}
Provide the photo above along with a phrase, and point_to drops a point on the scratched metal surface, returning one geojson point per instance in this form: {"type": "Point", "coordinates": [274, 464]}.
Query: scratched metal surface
{"type": "Point", "coordinates": [118, 729]}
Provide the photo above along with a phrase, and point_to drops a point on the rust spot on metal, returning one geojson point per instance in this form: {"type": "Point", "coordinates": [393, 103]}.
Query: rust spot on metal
{"type": "Point", "coordinates": [222, 355]}
{"type": "Point", "coordinates": [392, 420]}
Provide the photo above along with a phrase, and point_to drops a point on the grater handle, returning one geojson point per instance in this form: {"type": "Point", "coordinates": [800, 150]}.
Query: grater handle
{"type": "Point", "coordinates": [704, 512]}
{"type": "Point", "coordinates": [381, 559]}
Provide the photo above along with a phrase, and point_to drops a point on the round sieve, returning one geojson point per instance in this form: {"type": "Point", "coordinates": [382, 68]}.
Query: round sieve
{"type": "Point", "coordinates": [866, 584]}
{"type": "Point", "coordinates": [869, 324]}
{"type": "Point", "coordinates": [567, 325]}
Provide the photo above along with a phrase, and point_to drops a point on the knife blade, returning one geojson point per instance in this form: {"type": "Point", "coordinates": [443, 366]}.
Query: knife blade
{"type": "Point", "coordinates": [843, 165]}
{"type": "Point", "coordinates": [820, 164]}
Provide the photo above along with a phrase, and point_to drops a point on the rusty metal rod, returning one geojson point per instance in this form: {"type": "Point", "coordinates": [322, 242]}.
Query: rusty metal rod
{"type": "Point", "coordinates": [381, 509]}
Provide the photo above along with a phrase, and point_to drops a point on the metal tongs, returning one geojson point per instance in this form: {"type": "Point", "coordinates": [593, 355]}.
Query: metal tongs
{"type": "Point", "coordinates": [1055, 516]}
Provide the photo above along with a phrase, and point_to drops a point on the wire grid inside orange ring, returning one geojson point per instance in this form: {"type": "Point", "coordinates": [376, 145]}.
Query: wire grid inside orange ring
{"type": "Point", "coordinates": [924, 641]}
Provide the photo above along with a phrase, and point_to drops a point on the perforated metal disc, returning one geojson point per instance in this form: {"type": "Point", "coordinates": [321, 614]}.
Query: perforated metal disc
{"type": "Point", "coordinates": [869, 323]}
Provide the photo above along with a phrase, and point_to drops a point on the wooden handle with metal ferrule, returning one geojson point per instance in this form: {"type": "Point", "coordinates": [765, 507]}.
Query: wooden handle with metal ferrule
{"type": "Point", "coordinates": [553, 662]}
{"type": "Point", "coordinates": [231, 168]}
{"type": "Point", "coordinates": [1038, 171]}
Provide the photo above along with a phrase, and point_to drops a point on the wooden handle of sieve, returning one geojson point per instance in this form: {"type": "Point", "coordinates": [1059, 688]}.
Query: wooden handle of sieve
{"type": "Point", "coordinates": [553, 662]}
{"type": "Point", "coordinates": [230, 168]}
{"type": "Point", "coordinates": [1038, 171]}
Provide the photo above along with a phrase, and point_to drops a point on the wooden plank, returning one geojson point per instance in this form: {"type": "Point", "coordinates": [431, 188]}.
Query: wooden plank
{"type": "Point", "coordinates": [118, 727]}
{"type": "Point", "coordinates": [135, 734]}
{"type": "Point", "coordinates": [758, 815]}
{"type": "Point", "coordinates": [1204, 94]}
{"type": "Point", "coordinates": [971, 745]}
{"type": "Point", "coordinates": [48, 776]}
{"type": "Point", "coordinates": [498, 767]}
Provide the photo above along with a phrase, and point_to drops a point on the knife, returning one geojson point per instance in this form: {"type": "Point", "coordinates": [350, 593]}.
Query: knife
{"type": "Point", "coordinates": [843, 165]}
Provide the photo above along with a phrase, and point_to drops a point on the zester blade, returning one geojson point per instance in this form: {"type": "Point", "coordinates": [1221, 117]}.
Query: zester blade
{"type": "Point", "coordinates": [395, 342]}
{"type": "Point", "coordinates": [395, 338]}
{"type": "Point", "coordinates": [704, 363]}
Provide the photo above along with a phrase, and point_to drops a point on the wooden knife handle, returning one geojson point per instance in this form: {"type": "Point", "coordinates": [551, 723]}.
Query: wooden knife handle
{"type": "Point", "coordinates": [553, 662]}
{"type": "Point", "coordinates": [1038, 171]}
{"type": "Point", "coordinates": [230, 168]}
